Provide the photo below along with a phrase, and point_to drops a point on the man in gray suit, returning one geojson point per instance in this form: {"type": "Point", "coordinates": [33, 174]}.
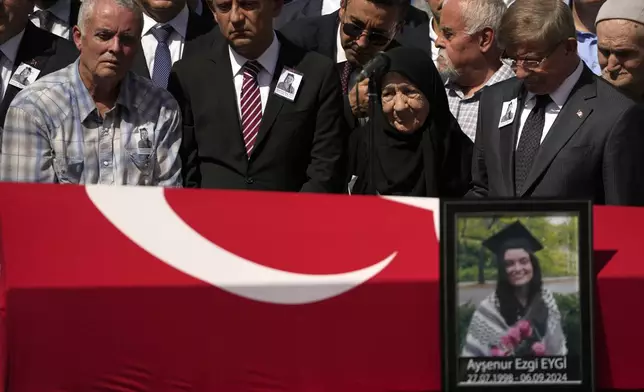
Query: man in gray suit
{"type": "Point", "coordinates": [574, 136]}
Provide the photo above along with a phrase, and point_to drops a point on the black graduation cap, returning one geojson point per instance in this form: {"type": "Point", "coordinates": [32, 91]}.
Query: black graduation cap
{"type": "Point", "coordinates": [513, 236]}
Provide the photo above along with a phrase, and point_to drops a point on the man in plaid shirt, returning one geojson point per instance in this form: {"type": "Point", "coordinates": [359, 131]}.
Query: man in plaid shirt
{"type": "Point", "coordinates": [469, 58]}
{"type": "Point", "coordinates": [83, 124]}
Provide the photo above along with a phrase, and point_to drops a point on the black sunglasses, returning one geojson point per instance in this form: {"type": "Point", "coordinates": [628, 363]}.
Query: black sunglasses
{"type": "Point", "coordinates": [374, 37]}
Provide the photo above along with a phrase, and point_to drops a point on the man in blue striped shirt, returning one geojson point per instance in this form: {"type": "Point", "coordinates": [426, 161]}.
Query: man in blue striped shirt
{"type": "Point", "coordinates": [83, 124]}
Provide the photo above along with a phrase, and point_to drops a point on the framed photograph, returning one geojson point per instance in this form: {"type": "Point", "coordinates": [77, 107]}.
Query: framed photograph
{"type": "Point", "coordinates": [517, 289]}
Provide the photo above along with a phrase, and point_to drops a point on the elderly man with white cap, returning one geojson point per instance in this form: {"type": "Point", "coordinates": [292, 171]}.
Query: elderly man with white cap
{"type": "Point", "coordinates": [620, 32]}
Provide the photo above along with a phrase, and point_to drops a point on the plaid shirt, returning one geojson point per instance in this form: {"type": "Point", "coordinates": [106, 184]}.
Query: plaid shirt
{"type": "Point", "coordinates": [466, 110]}
{"type": "Point", "coordinates": [53, 133]}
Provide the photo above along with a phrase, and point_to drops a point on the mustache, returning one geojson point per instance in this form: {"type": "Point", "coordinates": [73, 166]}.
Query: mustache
{"type": "Point", "coordinates": [613, 75]}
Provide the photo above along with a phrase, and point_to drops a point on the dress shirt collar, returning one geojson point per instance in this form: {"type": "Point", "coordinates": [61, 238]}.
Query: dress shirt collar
{"type": "Point", "coordinates": [61, 9]}
{"type": "Point", "coordinates": [560, 95]}
{"type": "Point", "coordinates": [432, 34]}
{"type": "Point", "coordinates": [268, 59]}
{"type": "Point", "coordinates": [340, 56]}
{"type": "Point", "coordinates": [501, 74]}
{"type": "Point", "coordinates": [179, 23]}
{"type": "Point", "coordinates": [11, 46]}
{"type": "Point", "coordinates": [127, 97]}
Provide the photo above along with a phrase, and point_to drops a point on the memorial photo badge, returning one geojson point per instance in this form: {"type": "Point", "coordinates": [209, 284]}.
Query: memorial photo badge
{"type": "Point", "coordinates": [508, 111]}
{"type": "Point", "coordinates": [517, 291]}
{"type": "Point", "coordinates": [288, 84]}
{"type": "Point", "coordinates": [24, 76]}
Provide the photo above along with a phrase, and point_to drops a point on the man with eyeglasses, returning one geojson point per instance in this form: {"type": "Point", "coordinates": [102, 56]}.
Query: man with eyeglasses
{"type": "Point", "coordinates": [573, 136]}
{"type": "Point", "coordinates": [351, 37]}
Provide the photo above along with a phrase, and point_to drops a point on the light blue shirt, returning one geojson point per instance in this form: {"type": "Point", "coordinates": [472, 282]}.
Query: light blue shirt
{"type": "Point", "coordinates": [587, 50]}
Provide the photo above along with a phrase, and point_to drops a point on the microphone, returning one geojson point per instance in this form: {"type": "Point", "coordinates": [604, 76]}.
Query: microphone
{"type": "Point", "coordinates": [376, 65]}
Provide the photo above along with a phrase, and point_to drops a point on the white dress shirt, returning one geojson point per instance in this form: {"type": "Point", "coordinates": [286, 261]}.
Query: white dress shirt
{"type": "Point", "coordinates": [340, 56]}
{"type": "Point", "coordinates": [175, 42]}
{"type": "Point", "coordinates": [433, 37]}
{"type": "Point", "coordinates": [61, 10]}
{"type": "Point", "coordinates": [268, 61]}
{"type": "Point", "coordinates": [559, 98]}
{"type": "Point", "coordinates": [330, 6]}
{"type": "Point", "coordinates": [10, 51]}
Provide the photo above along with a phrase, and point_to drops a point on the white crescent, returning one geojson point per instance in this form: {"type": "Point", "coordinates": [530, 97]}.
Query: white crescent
{"type": "Point", "coordinates": [145, 217]}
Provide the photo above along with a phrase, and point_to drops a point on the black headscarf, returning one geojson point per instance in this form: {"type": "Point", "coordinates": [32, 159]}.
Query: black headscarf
{"type": "Point", "coordinates": [435, 159]}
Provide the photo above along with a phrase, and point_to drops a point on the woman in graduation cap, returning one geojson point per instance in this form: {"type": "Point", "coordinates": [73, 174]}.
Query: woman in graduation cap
{"type": "Point", "coordinates": [520, 318]}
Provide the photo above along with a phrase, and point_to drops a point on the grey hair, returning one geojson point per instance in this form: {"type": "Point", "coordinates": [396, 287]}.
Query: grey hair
{"type": "Point", "coordinates": [87, 9]}
{"type": "Point", "coordinates": [481, 14]}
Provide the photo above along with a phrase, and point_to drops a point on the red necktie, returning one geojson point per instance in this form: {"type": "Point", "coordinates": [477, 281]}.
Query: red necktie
{"type": "Point", "coordinates": [346, 72]}
{"type": "Point", "coordinates": [251, 105]}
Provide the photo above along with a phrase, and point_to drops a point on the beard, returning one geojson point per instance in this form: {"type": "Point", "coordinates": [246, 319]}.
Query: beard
{"type": "Point", "coordinates": [446, 69]}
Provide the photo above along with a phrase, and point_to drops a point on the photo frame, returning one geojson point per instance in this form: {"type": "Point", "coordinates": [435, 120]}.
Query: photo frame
{"type": "Point", "coordinates": [517, 287]}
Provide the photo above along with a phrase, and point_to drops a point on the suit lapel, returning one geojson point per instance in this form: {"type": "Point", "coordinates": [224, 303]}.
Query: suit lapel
{"type": "Point", "coordinates": [73, 14]}
{"type": "Point", "coordinates": [328, 35]}
{"type": "Point", "coordinates": [313, 8]}
{"type": "Point", "coordinates": [140, 65]}
{"type": "Point", "coordinates": [508, 134]}
{"type": "Point", "coordinates": [572, 115]}
{"type": "Point", "coordinates": [225, 101]}
{"type": "Point", "coordinates": [274, 103]}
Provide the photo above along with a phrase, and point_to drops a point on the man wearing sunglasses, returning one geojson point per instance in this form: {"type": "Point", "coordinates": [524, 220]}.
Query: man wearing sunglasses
{"type": "Point", "coordinates": [573, 136]}
{"type": "Point", "coordinates": [351, 37]}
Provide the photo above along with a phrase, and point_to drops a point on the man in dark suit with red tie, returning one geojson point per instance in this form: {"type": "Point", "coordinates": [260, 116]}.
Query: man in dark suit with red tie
{"type": "Point", "coordinates": [239, 130]}
{"type": "Point", "coordinates": [570, 135]}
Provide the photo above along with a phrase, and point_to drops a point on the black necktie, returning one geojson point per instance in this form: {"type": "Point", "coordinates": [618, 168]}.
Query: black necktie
{"type": "Point", "coordinates": [529, 142]}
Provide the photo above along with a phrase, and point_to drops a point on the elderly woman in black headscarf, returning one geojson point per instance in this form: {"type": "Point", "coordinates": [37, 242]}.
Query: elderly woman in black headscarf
{"type": "Point", "coordinates": [418, 148]}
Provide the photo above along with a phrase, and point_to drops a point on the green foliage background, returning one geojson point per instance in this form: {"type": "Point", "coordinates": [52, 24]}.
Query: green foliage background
{"type": "Point", "coordinates": [558, 258]}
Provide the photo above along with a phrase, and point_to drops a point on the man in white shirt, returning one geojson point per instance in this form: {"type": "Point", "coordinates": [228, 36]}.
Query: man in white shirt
{"type": "Point", "coordinates": [56, 16]}
{"type": "Point", "coordinates": [573, 136]}
{"type": "Point", "coordinates": [168, 27]}
{"type": "Point", "coordinates": [243, 132]}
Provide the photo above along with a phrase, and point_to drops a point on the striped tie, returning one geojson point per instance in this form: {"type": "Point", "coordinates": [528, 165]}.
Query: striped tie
{"type": "Point", "coordinates": [251, 105]}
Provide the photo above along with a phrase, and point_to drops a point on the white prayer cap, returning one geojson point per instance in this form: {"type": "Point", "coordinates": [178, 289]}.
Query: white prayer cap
{"type": "Point", "coordinates": [622, 9]}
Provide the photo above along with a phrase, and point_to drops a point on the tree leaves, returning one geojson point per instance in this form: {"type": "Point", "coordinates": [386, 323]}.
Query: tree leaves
{"type": "Point", "coordinates": [558, 234]}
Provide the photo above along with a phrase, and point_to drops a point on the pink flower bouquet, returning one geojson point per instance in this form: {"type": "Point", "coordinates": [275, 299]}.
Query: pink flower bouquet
{"type": "Point", "coordinates": [520, 340]}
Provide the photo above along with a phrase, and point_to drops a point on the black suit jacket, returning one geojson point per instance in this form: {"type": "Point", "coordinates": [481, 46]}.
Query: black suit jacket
{"type": "Point", "coordinates": [73, 12]}
{"type": "Point", "coordinates": [299, 9]}
{"type": "Point", "coordinates": [300, 144]}
{"type": "Point", "coordinates": [594, 150]}
{"type": "Point", "coordinates": [197, 26]}
{"type": "Point", "coordinates": [42, 50]}
{"type": "Point", "coordinates": [319, 34]}
{"type": "Point", "coordinates": [417, 37]}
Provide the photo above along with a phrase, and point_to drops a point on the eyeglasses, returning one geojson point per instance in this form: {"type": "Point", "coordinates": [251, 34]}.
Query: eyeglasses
{"type": "Point", "coordinates": [354, 31]}
{"type": "Point", "coordinates": [526, 63]}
